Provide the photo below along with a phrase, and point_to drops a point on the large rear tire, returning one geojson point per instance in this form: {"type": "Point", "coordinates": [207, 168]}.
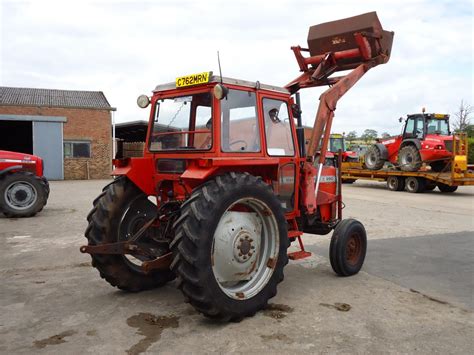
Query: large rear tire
{"type": "Point", "coordinates": [409, 158]}
{"type": "Point", "coordinates": [348, 247]}
{"type": "Point", "coordinates": [22, 194]}
{"type": "Point", "coordinates": [118, 213]}
{"type": "Point", "coordinates": [373, 158]}
{"type": "Point", "coordinates": [230, 247]}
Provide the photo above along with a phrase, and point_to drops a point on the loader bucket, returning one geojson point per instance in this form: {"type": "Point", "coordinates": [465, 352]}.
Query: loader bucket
{"type": "Point", "coordinates": [338, 36]}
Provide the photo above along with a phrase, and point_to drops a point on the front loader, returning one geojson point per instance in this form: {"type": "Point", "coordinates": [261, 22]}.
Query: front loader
{"type": "Point", "coordinates": [225, 184]}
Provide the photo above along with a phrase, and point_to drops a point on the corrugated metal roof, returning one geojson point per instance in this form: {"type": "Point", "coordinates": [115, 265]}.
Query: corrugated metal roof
{"type": "Point", "coordinates": [53, 98]}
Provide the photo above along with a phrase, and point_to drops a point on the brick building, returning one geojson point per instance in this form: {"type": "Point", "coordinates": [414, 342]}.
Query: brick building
{"type": "Point", "coordinates": [70, 130]}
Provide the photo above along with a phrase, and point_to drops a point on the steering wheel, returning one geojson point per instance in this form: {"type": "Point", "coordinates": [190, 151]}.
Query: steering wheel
{"type": "Point", "coordinates": [239, 141]}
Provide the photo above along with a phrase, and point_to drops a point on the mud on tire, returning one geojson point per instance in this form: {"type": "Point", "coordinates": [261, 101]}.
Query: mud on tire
{"type": "Point", "coordinates": [104, 224]}
{"type": "Point", "coordinates": [196, 263]}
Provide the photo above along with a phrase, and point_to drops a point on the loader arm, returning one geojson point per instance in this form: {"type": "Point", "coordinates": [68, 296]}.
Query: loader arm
{"type": "Point", "coordinates": [355, 44]}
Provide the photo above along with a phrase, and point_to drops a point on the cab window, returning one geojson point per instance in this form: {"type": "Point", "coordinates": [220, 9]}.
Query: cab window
{"type": "Point", "coordinates": [239, 124]}
{"type": "Point", "coordinates": [182, 123]}
{"type": "Point", "coordinates": [277, 128]}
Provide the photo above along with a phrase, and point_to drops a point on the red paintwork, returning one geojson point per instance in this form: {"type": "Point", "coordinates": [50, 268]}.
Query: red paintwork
{"type": "Point", "coordinates": [428, 150]}
{"type": "Point", "coordinates": [27, 162]}
{"type": "Point", "coordinates": [204, 165]}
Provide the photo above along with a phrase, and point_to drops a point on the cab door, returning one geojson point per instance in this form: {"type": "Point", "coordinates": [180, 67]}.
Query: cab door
{"type": "Point", "coordinates": [280, 142]}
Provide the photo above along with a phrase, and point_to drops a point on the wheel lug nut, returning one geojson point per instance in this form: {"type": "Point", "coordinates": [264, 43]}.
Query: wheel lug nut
{"type": "Point", "coordinates": [240, 254]}
{"type": "Point", "coordinates": [250, 254]}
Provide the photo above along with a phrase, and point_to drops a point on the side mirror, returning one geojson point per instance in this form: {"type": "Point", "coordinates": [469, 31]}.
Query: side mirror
{"type": "Point", "coordinates": [220, 91]}
{"type": "Point", "coordinates": [400, 119]}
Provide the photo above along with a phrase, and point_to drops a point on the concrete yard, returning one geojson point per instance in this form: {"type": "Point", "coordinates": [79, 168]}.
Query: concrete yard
{"type": "Point", "coordinates": [414, 293]}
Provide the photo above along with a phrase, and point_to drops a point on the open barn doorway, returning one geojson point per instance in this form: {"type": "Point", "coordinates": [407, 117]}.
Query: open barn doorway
{"type": "Point", "coordinates": [16, 136]}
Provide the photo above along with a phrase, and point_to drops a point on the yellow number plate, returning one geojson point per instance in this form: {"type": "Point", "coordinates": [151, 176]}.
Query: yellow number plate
{"type": "Point", "coordinates": [194, 79]}
{"type": "Point", "coordinates": [439, 116]}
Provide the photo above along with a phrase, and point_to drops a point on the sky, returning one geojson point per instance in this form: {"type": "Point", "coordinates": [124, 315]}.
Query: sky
{"type": "Point", "coordinates": [126, 48]}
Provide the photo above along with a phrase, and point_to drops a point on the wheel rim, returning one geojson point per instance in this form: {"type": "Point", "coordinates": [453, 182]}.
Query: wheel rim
{"type": "Point", "coordinates": [134, 217]}
{"type": "Point", "coordinates": [411, 185]}
{"type": "Point", "coordinates": [20, 195]}
{"type": "Point", "coordinates": [407, 159]}
{"type": "Point", "coordinates": [245, 248]}
{"type": "Point", "coordinates": [392, 183]}
{"type": "Point", "coordinates": [371, 159]}
{"type": "Point", "coordinates": [353, 249]}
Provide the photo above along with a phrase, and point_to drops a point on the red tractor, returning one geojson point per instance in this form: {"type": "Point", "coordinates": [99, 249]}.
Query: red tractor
{"type": "Point", "coordinates": [24, 190]}
{"type": "Point", "coordinates": [425, 138]}
{"type": "Point", "coordinates": [231, 183]}
{"type": "Point", "coordinates": [337, 143]}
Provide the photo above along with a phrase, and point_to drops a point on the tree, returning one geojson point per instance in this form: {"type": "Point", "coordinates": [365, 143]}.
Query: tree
{"type": "Point", "coordinates": [462, 117]}
{"type": "Point", "coordinates": [385, 135]}
{"type": "Point", "coordinates": [351, 136]}
{"type": "Point", "coordinates": [369, 135]}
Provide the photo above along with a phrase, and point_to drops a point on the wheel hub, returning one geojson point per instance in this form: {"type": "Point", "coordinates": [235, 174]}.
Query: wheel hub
{"type": "Point", "coordinates": [244, 246]}
{"type": "Point", "coordinates": [236, 246]}
{"type": "Point", "coordinates": [353, 249]}
{"type": "Point", "coordinates": [20, 195]}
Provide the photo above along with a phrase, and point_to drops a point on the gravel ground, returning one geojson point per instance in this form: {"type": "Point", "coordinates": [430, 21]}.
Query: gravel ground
{"type": "Point", "coordinates": [53, 301]}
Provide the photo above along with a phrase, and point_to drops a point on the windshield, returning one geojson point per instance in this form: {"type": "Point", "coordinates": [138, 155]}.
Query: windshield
{"type": "Point", "coordinates": [437, 126]}
{"type": "Point", "coordinates": [182, 123]}
{"type": "Point", "coordinates": [336, 144]}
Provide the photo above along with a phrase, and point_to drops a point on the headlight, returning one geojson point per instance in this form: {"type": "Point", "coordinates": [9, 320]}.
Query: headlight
{"type": "Point", "coordinates": [220, 91]}
{"type": "Point", "coordinates": [143, 101]}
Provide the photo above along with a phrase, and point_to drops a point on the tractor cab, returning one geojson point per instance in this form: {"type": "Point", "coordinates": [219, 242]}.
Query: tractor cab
{"type": "Point", "coordinates": [201, 125]}
{"type": "Point", "coordinates": [337, 142]}
{"type": "Point", "coordinates": [419, 126]}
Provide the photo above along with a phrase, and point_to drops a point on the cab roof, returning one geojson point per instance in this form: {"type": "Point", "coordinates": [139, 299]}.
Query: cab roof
{"type": "Point", "coordinates": [217, 79]}
{"type": "Point", "coordinates": [441, 116]}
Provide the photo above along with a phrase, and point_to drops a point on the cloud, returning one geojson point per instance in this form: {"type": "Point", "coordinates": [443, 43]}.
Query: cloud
{"type": "Point", "coordinates": [125, 48]}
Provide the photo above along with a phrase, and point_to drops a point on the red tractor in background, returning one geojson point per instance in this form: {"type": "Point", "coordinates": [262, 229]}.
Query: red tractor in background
{"type": "Point", "coordinates": [426, 138]}
{"type": "Point", "coordinates": [337, 143]}
{"type": "Point", "coordinates": [24, 190]}
{"type": "Point", "coordinates": [226, 166]}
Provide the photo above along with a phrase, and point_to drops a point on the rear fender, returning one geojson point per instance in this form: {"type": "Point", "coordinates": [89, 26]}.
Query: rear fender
{"type": "Point", "coordinates": [139, 170]}
{"type": "Point", "coordinates": [415, 142]}
{"type": "Point", "coordinates": [10, 168]}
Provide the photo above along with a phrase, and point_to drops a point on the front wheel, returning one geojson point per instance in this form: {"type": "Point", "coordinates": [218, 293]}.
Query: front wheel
{"type": "Point", "coordinates": [409, 158]}
{"type": "Point", "coordinates": [22, 194]}
{"type": "Point", "coordinates": [230, 246]}
{"type": "Point", "coordinates": [348, 247]}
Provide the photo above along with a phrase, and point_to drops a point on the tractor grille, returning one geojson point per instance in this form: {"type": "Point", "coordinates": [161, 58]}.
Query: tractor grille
{"type": "Point", "coordinates": [449, 145]}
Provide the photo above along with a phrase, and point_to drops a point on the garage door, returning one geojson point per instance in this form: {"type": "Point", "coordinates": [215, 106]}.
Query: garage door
{"type": "Point", "coordinates": [48, 144]}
